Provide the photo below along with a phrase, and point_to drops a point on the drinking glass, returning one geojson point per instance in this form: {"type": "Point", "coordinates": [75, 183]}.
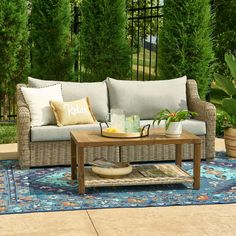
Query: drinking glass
{"type": "Point", "coordinates": [132, 124]}
{"type": "Point", "coordinates": [136, 123]}
{"type": "Point", "coordinates": [129, 124]}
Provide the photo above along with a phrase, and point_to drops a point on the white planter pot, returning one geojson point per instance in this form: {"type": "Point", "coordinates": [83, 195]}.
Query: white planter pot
{"type": "Point", "coordinates": [174, 130]}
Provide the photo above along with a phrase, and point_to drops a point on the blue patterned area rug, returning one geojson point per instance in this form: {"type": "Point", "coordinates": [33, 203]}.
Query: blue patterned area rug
{"type": "Point", "coordinates": [50, 189]}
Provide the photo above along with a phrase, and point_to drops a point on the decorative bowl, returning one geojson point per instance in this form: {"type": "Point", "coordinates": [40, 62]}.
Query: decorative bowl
{"type": "Point", "coordinates": [111, 172]}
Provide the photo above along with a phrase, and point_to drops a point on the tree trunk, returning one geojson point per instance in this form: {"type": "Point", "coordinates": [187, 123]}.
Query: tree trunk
{"type": "Point", "coordinates": [5, 106]}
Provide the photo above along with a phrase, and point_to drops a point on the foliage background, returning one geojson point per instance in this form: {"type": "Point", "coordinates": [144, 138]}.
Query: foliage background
{"type": "Point", "coordinates": [185, 43]}
{"type": "Point", "coordinates": [52, 47]}
{"type": "Point", "coordinates": [103, 43]}
{"type": "Point", "coordinates": [225, 31]}
{"type": "Point", "coordinates": [141, 28]}
{"type": "Point", "coordinates": [14, 53]}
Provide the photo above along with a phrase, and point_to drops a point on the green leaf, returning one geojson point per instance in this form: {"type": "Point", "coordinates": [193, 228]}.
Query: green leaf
{"type": "Point", "coordinates": [231, 62]}
{"type": "Point", "coordinates": [225, 84]}
{"type": "Point", "coordinates": [168, 122]}
{"type": "Point", "coordinates": [217, 95]}
{"type": "Point", "coordinates": [219, 107]}
{"type": "Point", "coordinates": [229, 106]}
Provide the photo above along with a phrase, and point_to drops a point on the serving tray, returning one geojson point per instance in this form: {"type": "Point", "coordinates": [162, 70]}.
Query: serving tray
{"type": "Point", "coordinates": [144, 132]}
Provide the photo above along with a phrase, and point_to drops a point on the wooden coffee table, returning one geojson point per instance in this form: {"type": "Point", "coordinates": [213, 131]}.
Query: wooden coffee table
{"type": "Point", "coordinates": [86, 178]}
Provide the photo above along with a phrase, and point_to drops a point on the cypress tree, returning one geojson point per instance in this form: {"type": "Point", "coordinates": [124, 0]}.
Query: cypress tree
{"type": "Point", "coordinates": [13, 48]}
{"type": "Point", "coordinates": [104, 46]}
{"type": "Point", "coordinates": [185, 43]}
{"type": "Point", "coordinates": [52, 50]}
{"type": "Point", "coordinates": [225, 31]}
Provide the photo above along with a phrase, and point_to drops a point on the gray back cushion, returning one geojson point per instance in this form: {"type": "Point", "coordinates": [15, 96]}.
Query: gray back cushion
{"type": "Point", "coordinates": [96, 91]}
{"type": "Point", "coordinates": [146, 98]}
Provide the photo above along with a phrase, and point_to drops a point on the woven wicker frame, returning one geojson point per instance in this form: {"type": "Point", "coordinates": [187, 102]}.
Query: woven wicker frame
{"type": "Point", "coordinates": [58, 152]}
{"type": "Point", "coordinates": [158, 152]}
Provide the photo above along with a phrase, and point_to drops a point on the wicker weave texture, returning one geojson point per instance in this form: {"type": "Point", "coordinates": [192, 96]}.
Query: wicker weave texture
{"type": "Point", "coordinates": [59, 153]}
{"type": "Point", "coordinates": [158, 152]}
{"type": "Point", "coordinates": [206, 112]}
{"type": "Point", "coordinates": [23, 129]}
{"type": "Point", "coordinates": [136, 178]}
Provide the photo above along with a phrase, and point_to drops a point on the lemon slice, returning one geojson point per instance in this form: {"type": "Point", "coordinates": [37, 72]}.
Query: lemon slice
{"type": "Point", "coordinates": [115, 130]}
{"type": "Point", "coordinates": [112, 130]}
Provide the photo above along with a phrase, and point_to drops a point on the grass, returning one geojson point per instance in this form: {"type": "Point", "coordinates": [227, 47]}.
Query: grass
{"type": "Point", "coordinates": [141, 74]}
{"type": "Point", "coordinates": [8, 133]}
{"type": "Point", "coordinates": [144, 63]}
{"type": "Point", "coordinates": [145, 59]}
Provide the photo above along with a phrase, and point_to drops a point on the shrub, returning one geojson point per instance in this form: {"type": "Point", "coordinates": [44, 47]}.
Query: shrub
{"type": "Point", "coordinates": [185, 43]}
{"type": "Point", "coordinates": [52, 50]}
{"type": "Point", "coordinates": [223, 92]}
{"type": "Point", "coordinates": [225, 31]}
{"type": "Point", "coordinates": [13, 47]}
{"type": "Point", "coordinates": [104, 46]}
{"type": "Point", "coordinates": [220, 120]}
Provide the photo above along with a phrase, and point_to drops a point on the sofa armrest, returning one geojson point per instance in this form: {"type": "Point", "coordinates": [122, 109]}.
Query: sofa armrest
{"type": "Point", "coordinates": [19, 96]}
{"type": "Point", "coordinates": [204, 109]}
{"type": "Point", "coordinates": [206, 112]}
{"type": "Point", "coordinates": [23, 129]}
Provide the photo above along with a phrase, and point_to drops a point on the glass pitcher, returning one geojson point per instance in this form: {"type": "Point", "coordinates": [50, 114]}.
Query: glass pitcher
{"type": "Point", "coordinates": [118, 119]}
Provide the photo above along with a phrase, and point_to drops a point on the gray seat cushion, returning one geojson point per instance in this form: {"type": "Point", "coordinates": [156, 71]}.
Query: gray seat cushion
{"type": "Point", "coordinates": [196, 127]}
{"type": "Point", "coordinates": [96, 91]}
{"type": "Point", "coordinates": [146, 98]}
{"type": "Point", "coordinates": [55, 133]}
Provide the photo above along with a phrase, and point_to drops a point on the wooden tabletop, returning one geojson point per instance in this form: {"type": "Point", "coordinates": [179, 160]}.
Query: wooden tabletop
{"type": "Point", "coordinates": [88, 138]}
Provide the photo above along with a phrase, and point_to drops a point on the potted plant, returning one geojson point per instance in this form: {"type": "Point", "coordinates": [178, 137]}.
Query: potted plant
{"type": "Point", "coordinates": [223, 95]}
{"type": "Point", "coordinates": [173, 125]}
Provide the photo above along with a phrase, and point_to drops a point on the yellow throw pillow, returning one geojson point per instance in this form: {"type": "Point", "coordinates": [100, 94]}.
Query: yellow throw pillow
{"type": "Point", "coordinates": [71, 113]}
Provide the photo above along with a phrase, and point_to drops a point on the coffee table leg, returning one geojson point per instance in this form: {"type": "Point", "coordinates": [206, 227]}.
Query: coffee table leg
{"type": "Point", "coordinates": [73, 160]}
{"type": "Point", "coordinates": [178, 154]}
{"type": "Point", "coordinates": [80, 154]}
{"type": "Point", "coordinates": [196, 165]}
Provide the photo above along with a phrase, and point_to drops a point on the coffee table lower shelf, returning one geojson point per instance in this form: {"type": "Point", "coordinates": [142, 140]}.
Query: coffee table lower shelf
{"type": "Point", "coordinates": [136, 178]}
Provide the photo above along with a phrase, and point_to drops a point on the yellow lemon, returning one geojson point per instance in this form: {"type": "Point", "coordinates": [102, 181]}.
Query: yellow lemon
{"type": "Point", "coordinates": [112, 130]}
{"type": "Point", "coordinates": [108, 129]}
{"type": "Point", "coordinates": [115, 130]}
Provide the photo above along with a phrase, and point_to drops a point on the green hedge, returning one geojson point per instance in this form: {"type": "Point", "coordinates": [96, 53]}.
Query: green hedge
{"type": "Point", "coordinates": [52, 49]}
{"type": "Point", "coordinates": [225, 31]}
{"type": "Point", "coordinates": [14, 51]}
{"type": "Point", "coordinates": [185, 43]}
{"type": "Point", "coordinates": [103, 42]}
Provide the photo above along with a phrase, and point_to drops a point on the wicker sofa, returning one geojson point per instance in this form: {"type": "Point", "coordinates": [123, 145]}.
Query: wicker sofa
{"type": "Point", "coordinates": [36, 147]}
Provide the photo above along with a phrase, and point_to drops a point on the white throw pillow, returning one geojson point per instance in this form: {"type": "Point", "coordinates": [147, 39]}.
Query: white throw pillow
{"type": "Point", "coordinates": [38, 102]}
